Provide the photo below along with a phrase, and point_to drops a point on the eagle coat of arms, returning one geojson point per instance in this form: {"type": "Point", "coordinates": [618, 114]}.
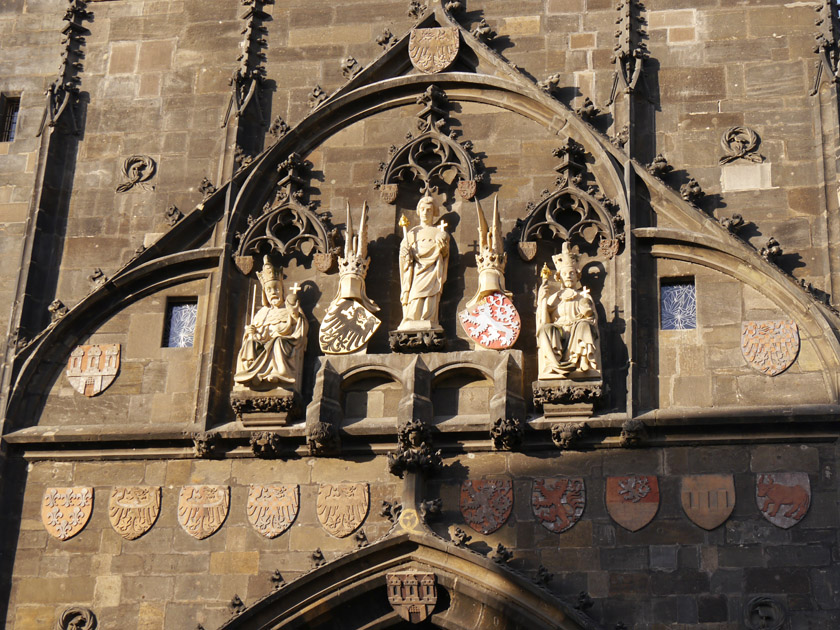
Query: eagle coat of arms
{"type": "Point", "coordinates": [432, 50]}
{"type": "Point", "coordinates": [486, 503]}
{"type": "Point", "coordinates": [273, 509]}
{"type": "Point", "coordinates": [347, 326]}
{"type": "Point", "coordinates": [342, 507]}
{"type": "Point", "coordinates": [66, 511]}
{"type": "Point", "coordinates": [558, 503]}
{"type": "Point", "coordinates": [91, 369]}
{"type": "Point", "coordinates": [133, 510]}
{"type": "Point", "coordinates": [770, 346]}
{"type": "Point", "coordinates": [203, 509]}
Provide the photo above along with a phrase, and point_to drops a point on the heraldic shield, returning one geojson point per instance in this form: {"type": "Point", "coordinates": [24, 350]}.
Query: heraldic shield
{"type": "Point", "coordinates": [558, 503]}
{"type": "Point", "coordinates": [486, 503]}
{"type": "Point", "coordinates": [66, 511]}
{"type": "Point", "coordinates": [203, 509]}
{"type": "Point", "coordinates": [708, 500]}
{"type": "Point", "coordinates": [432, 50]}
{"type": "Point", "coordinates": [412, 594]}
{"type": "Point", "coordinates": [273, 509]}
{"type": "Point", "coordinates": [493, 323]}
{"type": "Point", "coordinates": [91, 369]}
{"type": "Point", "coordinates": [347, 327]}
{"type": "Point", "coordinates": [342, 507]}
{"type": "Point", "coordinates": [783, 498]}
{"type": "Point", "coordinates": [632, 501]}
{"type": "Point", "coordinates": [133, 510]}
{"type": "Point", "coordinates": [770, 346]}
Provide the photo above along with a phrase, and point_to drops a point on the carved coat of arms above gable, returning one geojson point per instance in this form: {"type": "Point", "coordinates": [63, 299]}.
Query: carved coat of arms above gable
{"type": "Point", "coordinates": [432, 50]}
{"type": "Point", "coordinates": [770, 347]}
{"type": "Point", "coordinates": [342, 507]}
{"type": "Point", "coordinates": [91, 369]}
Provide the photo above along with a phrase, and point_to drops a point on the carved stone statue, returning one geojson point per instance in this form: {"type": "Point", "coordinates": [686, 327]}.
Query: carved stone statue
{"type": "Point", "coordinates": [350, 321]}
{"type": "Point", "coordinates": [567, 324]}
{"type": "Point", "coordinates": [424, 255]}
{"type": "Point", "coordinates": [275, 339]}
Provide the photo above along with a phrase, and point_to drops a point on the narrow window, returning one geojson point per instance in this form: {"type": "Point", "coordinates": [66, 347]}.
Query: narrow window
{"type": "Point", "coordinates": [678, 304]}
{"type": "Point", "coordinates": [179, 331]}
{"type": "Point", "coordinates": [11, 107]}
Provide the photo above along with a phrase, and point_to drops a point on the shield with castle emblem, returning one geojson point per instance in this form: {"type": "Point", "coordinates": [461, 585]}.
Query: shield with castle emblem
{"type": "Point", "coordinates": [388, 192]}
{"type": "Point", "coordinates": [558, 503]}
{"type": "Point", "coordinates": [91, 369]}
{"type": "Point", "coordinates": [66, 511]}
{"type": "Point", "coordinates": [633, 500]}
{"type": "Point", "coordinates": [273, 509]}
{"type": "Point", "coordinates": [432, 50]}
{"type": "Point", "coordinates": [770, 346]}
{"type": "Point", "coordinates": [342, 507]}
{"type": "Point", "coordinates": [203, 509]}
{"type": "Point", "coordinates": [412, 594]}
{"type": "Point", "coordinates": [467, 188]}
{"type": "Point", "coordinates": [708, 500]}
{"type": "Point", "coordinates": [347, 327]}
{"type": "Point", "coordinates": [486, 503]}
{"type": "Point", "coordinates": [493, 323]}
{"type": "Point", "coordinates": [133, 510]}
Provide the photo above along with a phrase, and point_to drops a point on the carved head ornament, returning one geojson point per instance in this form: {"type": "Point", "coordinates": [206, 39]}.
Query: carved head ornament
{"type": "Point", "coordinates": [269, 274]}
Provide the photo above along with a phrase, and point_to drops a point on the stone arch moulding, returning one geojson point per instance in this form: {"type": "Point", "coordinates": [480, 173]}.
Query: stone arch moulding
{"type": "Point", "coordinates": [470, 587]}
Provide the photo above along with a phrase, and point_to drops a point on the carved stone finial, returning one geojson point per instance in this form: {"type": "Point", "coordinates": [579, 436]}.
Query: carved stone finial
{"type": "Point", "coordinates": [316, 97]}
{"type": "Point", "coordinates": [771, 250]}
{"type": "Point", "coordinates": [430, 510]}
{"type": "Point", "coordinates": [76, 618]}
{"type": "Point", "coordinates": [501, 554]}
{"type": "Point", "coordinates": [57, 310]}
{"type": "Point", "coordinates": [414, 453]}
{"type": "Point", "coordinates": [350, 67]}
{"type": "Point", "coordinates": [459, 536]}
{"type": "Point", "coordinates": [318, 558]}
{"type": "Point", "coordinates": [691, 191]}
{"type": "Point", "coordinates": [566, 436]}
{"type": "Point", "coordinates": [507, 433]}
{"type": "Point", "coordinates": [587, 111]}
{"type": "Point", "coordinates": [584, 602]}
{"type": "Point", "coordinates": [391, 510]}
{"type": "Point", "coordinates": [236, 606]}
{"type": "Point", "coordinates": [543, 576]}
{"type": "Point", "coordinates": [277, 580]}
{"type": "Point", "coordinates": [633, 433]}
{"type": "Point", "coordinates": [265, 444]}
{"type": "Point", "coordinates": [659, 167]}
{"type": "Point", "coordinates": [386, 39]}
{"type": "Point", "coordinates": [740, 143]}
{"type": "Point", "coordinates": [483, 33]}
{"type": "Point", "coordinates": [172, 215]}
{"type": "Point", "coordinates": [206, 188]}
{"type": "Point", "coordinates": [204, 444]}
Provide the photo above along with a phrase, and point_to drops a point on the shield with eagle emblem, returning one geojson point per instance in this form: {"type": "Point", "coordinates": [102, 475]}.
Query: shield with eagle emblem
{"type": "Point", "coordinates": [273, 509]}
{"type": "Point", "coordinates": [486, 503]}
{"type": "Point", "coordinates": [432, 50]}
{"type": "Point", "coordinates": [347, 326]}
{"type": "Point", "coordinates": [203, 509]}
{"type": "Point", "coordinates": [342, 507]}
{"type": "Point", "coordinates": [133, 510]}
{"type": "Point", "coordinates": [770, 346]}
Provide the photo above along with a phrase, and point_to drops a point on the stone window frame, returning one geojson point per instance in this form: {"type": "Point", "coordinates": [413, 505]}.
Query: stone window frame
{"type": "Point", "coordinates": [677, 281]}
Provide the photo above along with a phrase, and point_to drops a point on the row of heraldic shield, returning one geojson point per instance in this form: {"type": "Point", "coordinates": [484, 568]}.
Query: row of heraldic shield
{"type": "Point", "coordinates": [557, 503]}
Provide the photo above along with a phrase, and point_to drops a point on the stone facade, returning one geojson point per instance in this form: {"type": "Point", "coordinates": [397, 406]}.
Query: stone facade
{"type": "Point", "coordinates": [181, 141]}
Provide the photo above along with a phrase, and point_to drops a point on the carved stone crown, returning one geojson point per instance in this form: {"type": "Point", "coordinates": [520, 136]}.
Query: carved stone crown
{"type": "Point", "coordinates": [353, 265]}
{"type": "Point", "coordinates": [567, 258]}
{"type": "Point", "coordinates": [487, 259]}
{"type": "Point", "coordinates": [269, 272]}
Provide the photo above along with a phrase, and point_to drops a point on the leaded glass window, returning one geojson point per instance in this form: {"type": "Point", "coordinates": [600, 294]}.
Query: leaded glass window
{"type": "Point", "coordinates": [180, 324]}
{"type": "Point", "coordinates": [678, 305]}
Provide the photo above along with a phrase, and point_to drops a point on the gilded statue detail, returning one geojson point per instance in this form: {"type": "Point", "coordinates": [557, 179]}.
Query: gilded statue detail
{"type": "Point", "coordinates": [567, 324]}
{"type": "Point", "coordinates": [275, 340]}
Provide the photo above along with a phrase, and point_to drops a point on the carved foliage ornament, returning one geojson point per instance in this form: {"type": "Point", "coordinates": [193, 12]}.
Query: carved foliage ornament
{"type": "Point", "coordinates": [558, 503]}
{"type": "Point", "coordinates": [632, 501]}
{"type": "Point", "coordinates": [273, 509]}
{"type": "Point", "coordinates": [486, 503]}
{"type": "Point", "coordinates": [783, 498]}
{"type": "Point", "coordinates": [432, 50]}
{"type": "Point", "coordinates": [764, 613]}
{"type": "Point", "coordinates": [708, 500]}
{"type": "Point", "coordinates": [133, 510]}
{"type": "Point", "coordinates": [76, 618]}
{"type": "Point", "coordinates": [342, 507]}
{"type": "Point", "coordinates": [66, 511]}
{"type": "Point", "coordinates": [91, 369]}
{"type": "Point", "coordinates": [770, 347]}
{"type": "Point", "coordinates": [137, 169]}
{"type": "Point", "coordinates": [740, 143]}
{"type": "Point", "coordinates": [203, 509]}
{"type": "Point", "coordinates": [412, 594]}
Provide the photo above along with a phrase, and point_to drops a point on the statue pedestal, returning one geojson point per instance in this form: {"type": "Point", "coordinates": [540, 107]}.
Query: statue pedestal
{"type": "Point", "coordinates": [414, 340]}
{"type": "Point", "coordinates": [564, 398]}
{"type": "Point", "coordinates": [261, 410]}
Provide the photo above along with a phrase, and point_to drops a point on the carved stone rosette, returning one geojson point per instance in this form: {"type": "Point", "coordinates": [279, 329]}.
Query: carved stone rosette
{"type": "Point", "coordinates": [133, 510]}
{"type": "Point", "coordinates": [203, 509]}
{"type": "Point", "coordinates": [66, 511]}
